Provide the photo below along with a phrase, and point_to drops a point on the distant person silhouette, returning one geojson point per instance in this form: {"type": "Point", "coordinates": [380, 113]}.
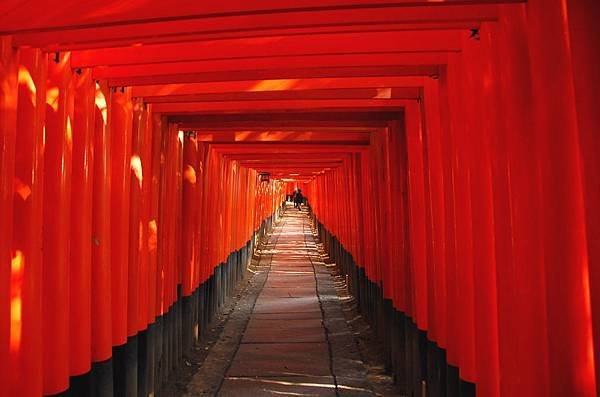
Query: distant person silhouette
{"type": "Point", "coordinates": [298, 199]}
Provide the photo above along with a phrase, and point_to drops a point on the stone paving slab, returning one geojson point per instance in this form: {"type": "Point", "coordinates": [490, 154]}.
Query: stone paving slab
{"type": "Point", "coordinates": [298, 305]}
{"type": "Point", "coordinates": [288, 266]}
{"type": "Point", "coordinates": [299, 277]}
{"type": "Point", "coordinates": [288, 316]}
{"type": "Point", "coordinates": [285, 283]}
{"type": "Point", "coordinates": [284, 334]}
{"type": "Point", "coordinates": [280, 359]}
{"type": "Point", "coordinates": [289, 292]}
{"type": "Point", "coordinates": [285, 302]}
{"type": "Point", "coordinates": [278, 323]}
{"type": "Point", "coordinates": [263, 386]}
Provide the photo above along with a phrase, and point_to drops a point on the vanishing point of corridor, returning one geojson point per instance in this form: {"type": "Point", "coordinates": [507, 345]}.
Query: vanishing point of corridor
{"type": "Point", "coordinates": [446, 154]}
{"type": "Point", "coordinates": [287, 335]}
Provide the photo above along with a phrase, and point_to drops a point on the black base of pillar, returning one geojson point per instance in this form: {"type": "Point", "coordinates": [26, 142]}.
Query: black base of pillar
{"type": "Point", "coordinates": [452, 381]}
{"type": "Point", "coordinates": [145, 362]}
{"type": "Point", "coordinates": [415, 362]}
{"type": "Point", "coordinates": [125, 362]}
{"type": "Point", "coordinates": [102, 379]}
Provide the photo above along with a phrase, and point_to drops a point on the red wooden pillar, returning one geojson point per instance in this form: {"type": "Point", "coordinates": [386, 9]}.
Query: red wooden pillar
{"type": "Point", "coordinates": [136, 170]}
{"type": "Point", "coordinates": [570, 341]}
{"type": "Point", "coordinates": [201, 220]}
{"type": "Point", "coordinates": [120, 125]}
{"type": "Point", "coordinates": [197, 231]}
{"type": "Point", "coordinates": [220, 205]}
{"type": "Point", "coordinates": [359, 161]}
{"type": "Point", "coordinates": [481, 107]}
{"type": "Point", "coordinates": [381, 192]}
{"type": "Point", "coordinates": [144, 245]}
{"type": "Point", "coordinates": [190, 206]}
{"type": "Point", "coordinates": [450, 258]}
{"type": "Point", "coordinates": [57, 218]}
{"type": "Point", "coordinates": [584, 34]}
{"type": "Point", "coordinates": [8, 122]}
{"type": "Point", "coordinates": [367, 213]}
{"type": "Point", "coordinates": [154, 231]}
{"type": "Point", "coordinates": [416, 196]}
{"type": "Point", "coordinates": [221, 215]}
{"type": "Point", "coordinates": [81, 224]}
{"type": "Point", "coordinates": [522, 322]}
{"type": "Point", "coordinates": [356, 171]}
{"type": "Point", "coordinates": [161, 219]}
{"type": "Point", "coordinates": [179, 214]}
{"type": "Point", "coordinates": [435, 181]}
{"type": "Point", "coordinates": [26, 290]}
{"type": "Point", "coordinates": [226, 208]}
{"type": "Point", "coordinates": [101, 232]}
{"type": "Point", "coordinates": [464, 237]}
{"type": "Point", "coordinates": [163, 223]}
{"type": "Point", "coordinates": [206, 216]}
{"type": "Point", "coordinates": [169, 222]}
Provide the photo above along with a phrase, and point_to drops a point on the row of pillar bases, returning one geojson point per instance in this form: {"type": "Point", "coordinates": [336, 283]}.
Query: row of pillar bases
{"type": "Point", "coordinates": [148, 359]}
{"type": "Point", "coordinates": [419, 366]}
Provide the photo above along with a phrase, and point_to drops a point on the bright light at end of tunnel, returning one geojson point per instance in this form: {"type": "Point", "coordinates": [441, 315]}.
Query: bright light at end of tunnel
{"type": "Point", "coordinates": [16, 303]}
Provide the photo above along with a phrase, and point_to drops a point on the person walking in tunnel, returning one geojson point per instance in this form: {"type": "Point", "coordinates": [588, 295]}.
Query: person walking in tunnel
{"type": "Point", "coordinates": [298, 199]}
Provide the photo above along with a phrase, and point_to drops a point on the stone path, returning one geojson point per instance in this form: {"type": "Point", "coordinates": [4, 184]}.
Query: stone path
{"type": "Point", "coordinates": [289, 335]}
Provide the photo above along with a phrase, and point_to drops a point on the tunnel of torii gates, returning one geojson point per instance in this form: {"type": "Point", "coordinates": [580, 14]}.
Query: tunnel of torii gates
{"type": "Point", "coordinates": [449, 152]}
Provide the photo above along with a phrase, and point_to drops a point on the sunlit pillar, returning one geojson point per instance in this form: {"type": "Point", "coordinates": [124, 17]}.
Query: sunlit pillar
{"type": "Point", "coordinates": [190, 207]}
{"type": "Point", "coordinates": [57, 218]}
{"type": "Point", "coordinates": [134, 273]}
{"type": "Point", "coordinates": [162, 219]}
{"type": "Point", "coordinates": [480, 107]}
{"type": "Point", "coordinates": [153, 221]}
{"type": "Point", "coordinates": [584, 35]}
{"type": "Point", "coordinates": [435, 176]}
{"type": "Point", "coordinates": [26, 292]}
{"type": "Point", "coordinates": [101, 231]}
{"type": "Point", "coordinates": [200, 147]}
{"type": "Point", "coordinates": [570, 341]}
{"type": "Point", "coordinates": [8, 119]}
{"type": "Point", "coordinates": [120, 124]}
{"type": "Point", "coordinates": [416, 196]}
{"type": "Point", "coordinates": [81, 224]}
{"type": "Point", "coordinates": [463, 268]}
{"type": "Point", "coordinates": [144, 243]}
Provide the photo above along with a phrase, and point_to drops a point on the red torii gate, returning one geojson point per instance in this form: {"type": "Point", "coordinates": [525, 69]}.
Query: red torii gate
{"type": "Point", "coordinates": [448, 150]}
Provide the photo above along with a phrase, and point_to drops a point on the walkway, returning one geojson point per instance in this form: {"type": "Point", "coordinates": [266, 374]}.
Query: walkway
{"type": "Point", "coordinates": [291, 338]}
